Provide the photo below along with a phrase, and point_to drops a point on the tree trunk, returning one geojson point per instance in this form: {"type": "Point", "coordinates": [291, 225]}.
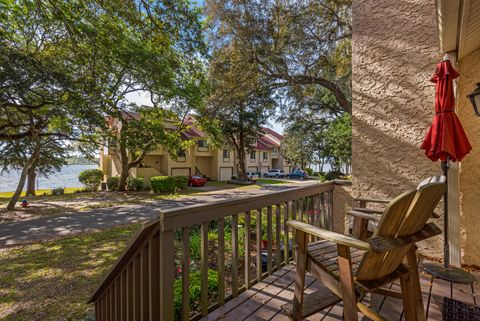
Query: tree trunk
{"type": "Point", "coordinates": [242, 168]}
{"type": "Point", "coordinates": [31, 179]}
{"type": "Point", "coordinates": [122, 181]}
{"type": "Point", "coordinates": [23, 175]}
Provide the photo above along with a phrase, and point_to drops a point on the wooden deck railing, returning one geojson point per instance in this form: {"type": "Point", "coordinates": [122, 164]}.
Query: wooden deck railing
{"type": "Point", "coordinates": [141, 285]}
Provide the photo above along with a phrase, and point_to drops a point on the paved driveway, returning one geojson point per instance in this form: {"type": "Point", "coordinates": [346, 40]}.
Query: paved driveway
{"type": "Point", "coordinates": [94, 220]}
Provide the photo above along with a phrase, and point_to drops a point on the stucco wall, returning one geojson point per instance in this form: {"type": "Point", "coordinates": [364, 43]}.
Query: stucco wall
{"type": "Point", "coordinates": [395, 50]}
{"type": "Point", "coordinates": [469, 68]}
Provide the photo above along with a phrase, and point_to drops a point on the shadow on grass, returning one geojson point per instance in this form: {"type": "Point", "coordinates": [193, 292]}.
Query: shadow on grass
{"type": "Point", "coordinates": [53, 280]}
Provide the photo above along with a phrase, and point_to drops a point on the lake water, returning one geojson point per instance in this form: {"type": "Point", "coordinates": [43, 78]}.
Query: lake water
{"type": "Point", "coordinates": [67, 177]}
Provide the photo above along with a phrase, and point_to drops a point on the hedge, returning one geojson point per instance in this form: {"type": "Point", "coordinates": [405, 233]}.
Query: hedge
{"type": "Point", "coordinates": [112, 183]}
{"type": "Point", "coordinates": [135, 183]}
{"type": "Point", "coordinates": [168, 184]}
{"type": "Point", "coordinates": [91, 178]}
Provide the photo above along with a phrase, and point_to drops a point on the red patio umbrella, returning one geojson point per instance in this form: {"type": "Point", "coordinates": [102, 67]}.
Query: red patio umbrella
{"type": "Point", "coordinates": [446, 140]}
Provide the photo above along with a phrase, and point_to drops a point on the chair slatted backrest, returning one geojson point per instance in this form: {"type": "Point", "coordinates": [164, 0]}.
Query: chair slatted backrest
{"type": "Point", "coordinates": [405, 215]}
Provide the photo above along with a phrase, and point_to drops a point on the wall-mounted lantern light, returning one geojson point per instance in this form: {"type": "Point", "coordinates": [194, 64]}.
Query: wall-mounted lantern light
{"type": "Point", "coordinates": [475, 99]}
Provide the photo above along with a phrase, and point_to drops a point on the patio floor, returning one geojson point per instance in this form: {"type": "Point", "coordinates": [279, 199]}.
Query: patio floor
{"type": "Point", "coordinates": [264, 300]}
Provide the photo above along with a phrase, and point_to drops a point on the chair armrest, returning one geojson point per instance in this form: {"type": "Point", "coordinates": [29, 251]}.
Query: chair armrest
{"type": "Point", "coordinates": [366, 216]}
{"type": "Point", "coordinates": [367, 210]}
{"type": "Point", "coordinates": [329, 235]}
{"type": "Point", "coordinates": [371, 200]}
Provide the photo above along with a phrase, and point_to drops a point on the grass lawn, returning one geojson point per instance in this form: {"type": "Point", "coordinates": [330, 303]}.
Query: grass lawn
{"type": "Point", "coordinates": [53, 280]}
{"type": "Point", "coordinates": [270, 181]}
{"type": "Point", "coordinates": [5, 196]}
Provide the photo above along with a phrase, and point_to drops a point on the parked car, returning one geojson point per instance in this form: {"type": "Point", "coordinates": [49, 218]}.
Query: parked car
{"type": "Point", "coordinates": [196, 181]}
{"type": "Point", "coordinates": [252, 176]}
{"type": "Point", "coordinates": [299, 174]}
{"type": "Point", "coordinates": [277, 173]}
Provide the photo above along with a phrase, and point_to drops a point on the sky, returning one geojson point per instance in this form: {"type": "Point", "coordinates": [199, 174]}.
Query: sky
{"type": "Point", "coordinates": [141, 98]}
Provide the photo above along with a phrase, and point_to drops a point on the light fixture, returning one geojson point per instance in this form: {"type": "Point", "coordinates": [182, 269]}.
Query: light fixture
{"type": "Point", "coordinates": [475, 99]}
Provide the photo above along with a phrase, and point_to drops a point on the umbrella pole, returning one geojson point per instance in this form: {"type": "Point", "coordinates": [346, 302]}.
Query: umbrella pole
{"type": "Point", "coordinates": [444, 272]}
{"type": "Point", "coordinates": [446, 245]}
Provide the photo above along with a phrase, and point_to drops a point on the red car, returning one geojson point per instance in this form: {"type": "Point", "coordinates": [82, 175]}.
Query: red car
{"type": "Point", "coordinates": [196, 181]}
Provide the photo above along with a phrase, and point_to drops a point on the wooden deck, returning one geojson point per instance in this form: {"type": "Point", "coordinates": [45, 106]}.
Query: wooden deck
{"type": "Point", "coordinates": [263, 301]}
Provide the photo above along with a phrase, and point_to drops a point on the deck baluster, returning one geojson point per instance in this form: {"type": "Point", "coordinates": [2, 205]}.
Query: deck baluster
{"type": "Point", "coordinates": [286, 213]}
{"type": "Point", "coordinates": [247, 250]}
{"type": "Point", "coordinates": [269, 240]}
{"type": "Point", "coordinates": [221, 261]}
{"type": "Point", "coordinates": [204, 269]}
{"type": "Point", "coordinates": [278, 227]}
{"type": "Point", "coordinates": [235, 255]}
{"type": "Point", "coordinates": [259, 244]}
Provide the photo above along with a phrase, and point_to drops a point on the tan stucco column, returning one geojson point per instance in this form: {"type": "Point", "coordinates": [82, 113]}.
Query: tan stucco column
{"type": "Point", "coordinates": [469, 68]}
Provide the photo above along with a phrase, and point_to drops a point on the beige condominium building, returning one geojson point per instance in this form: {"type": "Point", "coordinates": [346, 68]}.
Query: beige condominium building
{"type": "Point", "coordinates": [266, 153]}
{"type": "Point", "coordinates": [200, 159]}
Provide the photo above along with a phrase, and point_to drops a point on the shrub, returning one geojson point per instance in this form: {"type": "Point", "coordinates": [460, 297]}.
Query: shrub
{"type": "Point", "coordinates": [91, 178]}
{"type": "Point", "coordinates": [309, 171]}
{"type": "Point", "coordinates": [333, 175]}
{"type": "Point", "coordinates": [112, 183]}
{"type": "Point", "coordinates": [168, 184]}
{"type": "Point", "coordinates": [135, 183]}
{"type": "Point", "coordinates": [321, 175]}
{"type": "Point", "coordinates": [181, 181]}
{"type": "Point", "coordinates": [195, 290]}
{"type": "Point", "coordinates": [58, 191]}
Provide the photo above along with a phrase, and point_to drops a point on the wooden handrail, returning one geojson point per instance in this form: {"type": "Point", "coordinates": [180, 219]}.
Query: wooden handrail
{"type": "Point", "coordinates": [140, 284]}
{"type": "Point", "coordinates": [195, 214]}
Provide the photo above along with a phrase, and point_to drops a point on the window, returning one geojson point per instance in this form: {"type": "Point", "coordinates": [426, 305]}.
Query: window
{"type": "Point", "coordinates": [181, 156]}
{"type": "Point", "coordinates": [265, 156]}
{"type": "Point", "coordinates": [253, 155]}
{"type": "Point", "coordinates": [274, 152]}
{"type": "Point", "coordinates": [226, 155]}
{"type": "Point", "coordinates": [202, 145]}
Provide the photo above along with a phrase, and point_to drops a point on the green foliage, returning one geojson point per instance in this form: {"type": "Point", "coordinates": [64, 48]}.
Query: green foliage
{"type": "Point", "coordinates": [181, 181]}
{"type": "Point", "coordinates": [195, 291]}
{"type": "Point", "coordinates": [338, 141]}
{"type": "Point", "coordinates": [57, 191]}
{"type": "Point", "coordinates": [168, 184]}
{"type": "Point", "coordinates": [91, 178]}
{"type": "Point", "coordinates": [334, 175]}
{"type": "Point", "coordinates": [301, 48]}
{"type": "Point", "coordinates": [195, 245]}
{"type": "Point", "coordinates": [309, 171]}
{"type": "Point", "coordinates": [321, 176]}
{"type": "Point", "coordinates": [112, 183]}
{"type": "Point", "coordinates": [298, 147]}
{"type": "Point", "coordinates": [135, 183]}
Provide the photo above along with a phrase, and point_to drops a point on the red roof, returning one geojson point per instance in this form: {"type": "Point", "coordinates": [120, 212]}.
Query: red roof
{"type": "Point", "coordinates": [262, 145]}
{"type": "Point", "coordinates": [269, 141]}
{"type": "Point", "coordinates": [192, 131]}
{"type": "Point", "coordinates": [273, 133]}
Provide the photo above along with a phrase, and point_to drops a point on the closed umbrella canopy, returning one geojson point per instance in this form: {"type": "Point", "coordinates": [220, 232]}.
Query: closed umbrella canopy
{"type": "Point", "coordinates": [445, 138]}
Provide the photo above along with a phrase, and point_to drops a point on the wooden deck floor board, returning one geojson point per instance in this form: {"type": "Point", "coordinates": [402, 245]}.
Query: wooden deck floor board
{"type": "Point", "coordinates": [264, 301]}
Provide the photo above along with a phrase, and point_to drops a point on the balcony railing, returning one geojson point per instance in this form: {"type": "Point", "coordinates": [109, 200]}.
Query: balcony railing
{"type": "Point", "coordinates": [141, 284]}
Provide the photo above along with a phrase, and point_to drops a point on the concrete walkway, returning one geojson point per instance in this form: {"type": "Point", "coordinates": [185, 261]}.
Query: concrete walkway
{"type": "Point", "coordinates": [46, 228]}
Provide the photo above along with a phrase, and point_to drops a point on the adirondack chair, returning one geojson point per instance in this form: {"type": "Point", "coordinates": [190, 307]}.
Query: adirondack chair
{"type": "Point", "coordinates": [365, 219]}
{"type": "Point", "coordinates": [349, 268]}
